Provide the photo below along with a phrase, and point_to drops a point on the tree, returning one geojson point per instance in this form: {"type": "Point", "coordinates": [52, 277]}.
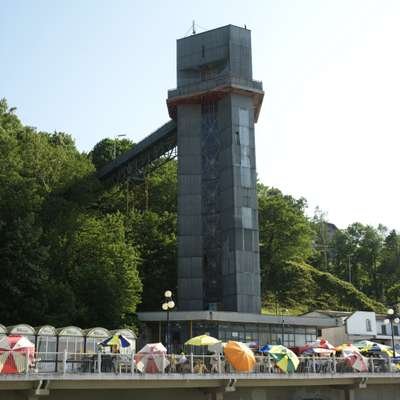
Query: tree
{"type": "Point", "coordinates": [285, 235]}
{"type": "Point", "coordinates": [358, 251]}
{"type": "Point", "coordinates": [155, 236]}
{"type": "Point", "coordinates": [390, 263]}
{"type": "Point", "coordinates": [108, 149]}
{"type": "Point", "coordinates": [323, 242]}
{"type": "Point", "coordinates": [102, 269]}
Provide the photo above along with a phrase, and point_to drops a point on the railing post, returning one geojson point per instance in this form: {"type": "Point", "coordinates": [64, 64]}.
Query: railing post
{"type": "Point", "coordinates": [334, 363]}
{"type": "Point", "coordinates": [65, 355]}
{"type": "Point", "coordinates": [269, 363]}
{"type": "Point", "coordinates": [313, 363]}
{"type": "Point", "coordinates": [163, 363]}
{"type": "Point", "coordinates": [132, 363]}
{"type": "Point", "coordinates": [371, 361]}
{"type": "Point", "coordinates": [219, 364]}
{"type": "Point", "coordinates": [99, 363]}
{"type": "Point", "coordinates": [26, 362]}
{"type": "Point", "coordinates": [191, 363]}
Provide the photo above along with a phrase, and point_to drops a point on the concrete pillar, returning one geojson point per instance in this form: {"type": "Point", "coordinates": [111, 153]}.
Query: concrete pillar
{"type": "Point", "coordinates": [349, 394]}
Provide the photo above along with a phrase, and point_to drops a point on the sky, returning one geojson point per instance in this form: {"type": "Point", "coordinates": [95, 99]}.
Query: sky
{"type": "Point", "coordinates": [329, 126]}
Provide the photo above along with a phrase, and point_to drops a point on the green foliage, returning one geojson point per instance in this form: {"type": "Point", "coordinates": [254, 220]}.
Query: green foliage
{"type": "Point", "coordinates": [285, 235]}
{"type": "Point", "coordinates": [76, 251]}
{"type": "Point", "coordinates": [316, 289]}
{"type": "Point", "coordinates": [155, 235]}
{"type": "Point", "coordinates": [63, 260]}
{"type": "Point", "coordinates": [102, 269]}
{"type": "Point", "coordinates": [109, 149]}
{"type": "Point", "coordinates": [393, 295]}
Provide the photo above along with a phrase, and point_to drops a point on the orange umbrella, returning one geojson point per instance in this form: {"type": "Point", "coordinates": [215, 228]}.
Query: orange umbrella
{"type": "Point", "coordinates": [240, 356]}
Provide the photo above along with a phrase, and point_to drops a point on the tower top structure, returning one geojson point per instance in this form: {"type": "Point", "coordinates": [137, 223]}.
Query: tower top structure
{"type": "Point", "coordinates": [212, 63]}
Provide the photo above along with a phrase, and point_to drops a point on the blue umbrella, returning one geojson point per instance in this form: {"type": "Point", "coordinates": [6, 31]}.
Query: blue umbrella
{"type": "Point", "coordinates": [118, 340]}
{"type": "Point", "coordinates": [266, 348]}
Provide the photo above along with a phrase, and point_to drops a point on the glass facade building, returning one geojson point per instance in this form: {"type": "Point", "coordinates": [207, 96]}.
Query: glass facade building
{"type": "Point", "coordinates": [248, 328]}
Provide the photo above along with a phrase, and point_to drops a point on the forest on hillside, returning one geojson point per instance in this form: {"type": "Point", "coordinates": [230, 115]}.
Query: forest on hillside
{"type": "Point", "coordinates": [76, 251]}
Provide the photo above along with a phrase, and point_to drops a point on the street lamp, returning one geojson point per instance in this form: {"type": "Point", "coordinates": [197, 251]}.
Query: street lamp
{"type": "Point", "coordinates": [115, 144]}
{"type": "Point", "coordinates": [390, 318]}
{"type": "Point", "coordinates": [283, 310]}
{"type": "Point", "coordinates": [168, 305]}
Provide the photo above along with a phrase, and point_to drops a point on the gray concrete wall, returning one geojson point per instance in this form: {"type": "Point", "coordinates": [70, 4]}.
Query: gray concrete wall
{"type": "Point", "coordinates": [218, 52]}
{"type": "Point", "coordinates": [190, 233]}
{"type": "Point", "coordinates": [218, 267]}
{"type": "Point", "coordinates": [371, 392]}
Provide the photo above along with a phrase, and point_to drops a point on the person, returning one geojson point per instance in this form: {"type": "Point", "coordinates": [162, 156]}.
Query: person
{"type": "Point", "coordinates": [172, 363]}
{"type": "Point", "coordinates": [114, 357]}
{"type": "Point", "coordinates": [200, 367]}
{"type": "Point", "coordinates": [215, 363]}
{"type": "Point", "coordinates": [182, 360]}
{"type": "Point", "coordinates": [114, 348]}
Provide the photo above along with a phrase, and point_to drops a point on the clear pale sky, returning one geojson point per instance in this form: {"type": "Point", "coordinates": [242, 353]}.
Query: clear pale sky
{"type": "Point", "coordinates": [329, 126]}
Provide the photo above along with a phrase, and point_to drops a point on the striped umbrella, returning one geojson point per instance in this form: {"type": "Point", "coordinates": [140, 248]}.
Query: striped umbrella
{"type": "Point", "coordinates": [152, 358]}
{"type": "Point", "coordinates": [285, 359]}
{"type": "Point", "coordinates": [14, 351]}
{"type": "Point", "coordinates": [116, 340]}
{"type": "Point", "coordinates": [365, 346]}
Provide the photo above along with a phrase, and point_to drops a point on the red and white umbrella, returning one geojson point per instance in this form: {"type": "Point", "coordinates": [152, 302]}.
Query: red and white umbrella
{"type": "Point", "coordinates": [14, 351]}
{"type": "Point", "coordinates": [152, 358]}
{"type": "Point", "coordinates": [320, 346]}
{"type": "Point", "coordinates": [357, 362]}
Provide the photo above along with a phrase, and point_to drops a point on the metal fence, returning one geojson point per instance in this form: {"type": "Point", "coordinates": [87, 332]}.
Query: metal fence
{"type": "Point", "coordinates": [99, 363]}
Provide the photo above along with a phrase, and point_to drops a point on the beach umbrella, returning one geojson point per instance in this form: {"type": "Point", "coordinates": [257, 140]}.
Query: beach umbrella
{"type": "Point", "coordinates": [368, 346]}
{"type": "Point", "coordinates": [347, 349]}
{"type": "Point", "coordinates": [116, 340]}
{"type": "Point", "coordinates": [318, 344]}
{"type": "Point", "coordinates": [152, 358]}
{"type": "Point", "coordinates": [357, 362]}
{"type": "Point", "coordinates": [318, 350]}
{"type": "Point", "coordinates": [217, 348]}
{"type": "Point", "coordinates": [13, 353]}
{"type": "Point", "coordinates": [239, 356]}
{"type": "Point", "coordinates": [202, 340]}
{"type": "Point", "coordinates": [285, 359]}
{"type": "Point", "coordinates": [353, 357]}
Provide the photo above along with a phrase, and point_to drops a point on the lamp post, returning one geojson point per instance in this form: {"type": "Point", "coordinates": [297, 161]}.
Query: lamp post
{"type": "Point", "coordinates": [168, 305]}
{"type": "Point", "coordinates": [115, 144]}
{"type": "Point", "coordinates": [391, 317]}
{"type": "Point", "coordinates": [283, 310]}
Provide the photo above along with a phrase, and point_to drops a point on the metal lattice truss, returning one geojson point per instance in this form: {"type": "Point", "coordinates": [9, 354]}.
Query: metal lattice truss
{"type": "Point", "coordinates": [145, 157]}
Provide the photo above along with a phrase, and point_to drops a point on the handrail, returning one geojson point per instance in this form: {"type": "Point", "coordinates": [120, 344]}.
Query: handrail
{"type": "Point", "coordinates": [69, 363]}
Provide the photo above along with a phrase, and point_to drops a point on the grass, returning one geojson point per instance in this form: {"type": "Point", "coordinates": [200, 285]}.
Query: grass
{"type": "Point", "coordinates": [271, 310]}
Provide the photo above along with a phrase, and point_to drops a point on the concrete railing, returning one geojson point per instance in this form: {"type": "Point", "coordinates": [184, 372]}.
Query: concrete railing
{"type": "Point", "coordinates": [105, 363]}
{"type": "Point", "coordinates": [211, 83]}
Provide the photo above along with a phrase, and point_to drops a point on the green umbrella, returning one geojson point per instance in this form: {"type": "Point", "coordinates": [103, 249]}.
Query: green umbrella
{"type": "Point", "coordinates": [285, 359]}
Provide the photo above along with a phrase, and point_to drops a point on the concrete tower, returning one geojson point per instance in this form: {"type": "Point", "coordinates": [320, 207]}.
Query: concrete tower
{"type": "Point", "coordinates": [215, 106]}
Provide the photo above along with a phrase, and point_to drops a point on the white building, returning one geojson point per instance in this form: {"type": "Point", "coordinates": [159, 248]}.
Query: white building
{"type": "Point", "coordinates": [357, 325]}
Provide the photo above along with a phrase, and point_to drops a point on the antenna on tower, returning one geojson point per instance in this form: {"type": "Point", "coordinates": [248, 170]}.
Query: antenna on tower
{"type": "Point", "coordinates": [193, 28]}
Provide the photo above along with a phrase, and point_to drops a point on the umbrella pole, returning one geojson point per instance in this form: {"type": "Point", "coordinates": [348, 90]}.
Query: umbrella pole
{"type": "Point", "coordinates": [27, 363]}
{"type": "Point", "coordinates": [313, 363]}
{"type": "Point", "coordinates": [269, 363]}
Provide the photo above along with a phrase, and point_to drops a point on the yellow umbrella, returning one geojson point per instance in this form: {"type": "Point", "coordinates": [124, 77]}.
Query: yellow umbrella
{"type": "Point", "coordinates": [240, 356]}
{"type": "Point", "coordinates": [202, 340]}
